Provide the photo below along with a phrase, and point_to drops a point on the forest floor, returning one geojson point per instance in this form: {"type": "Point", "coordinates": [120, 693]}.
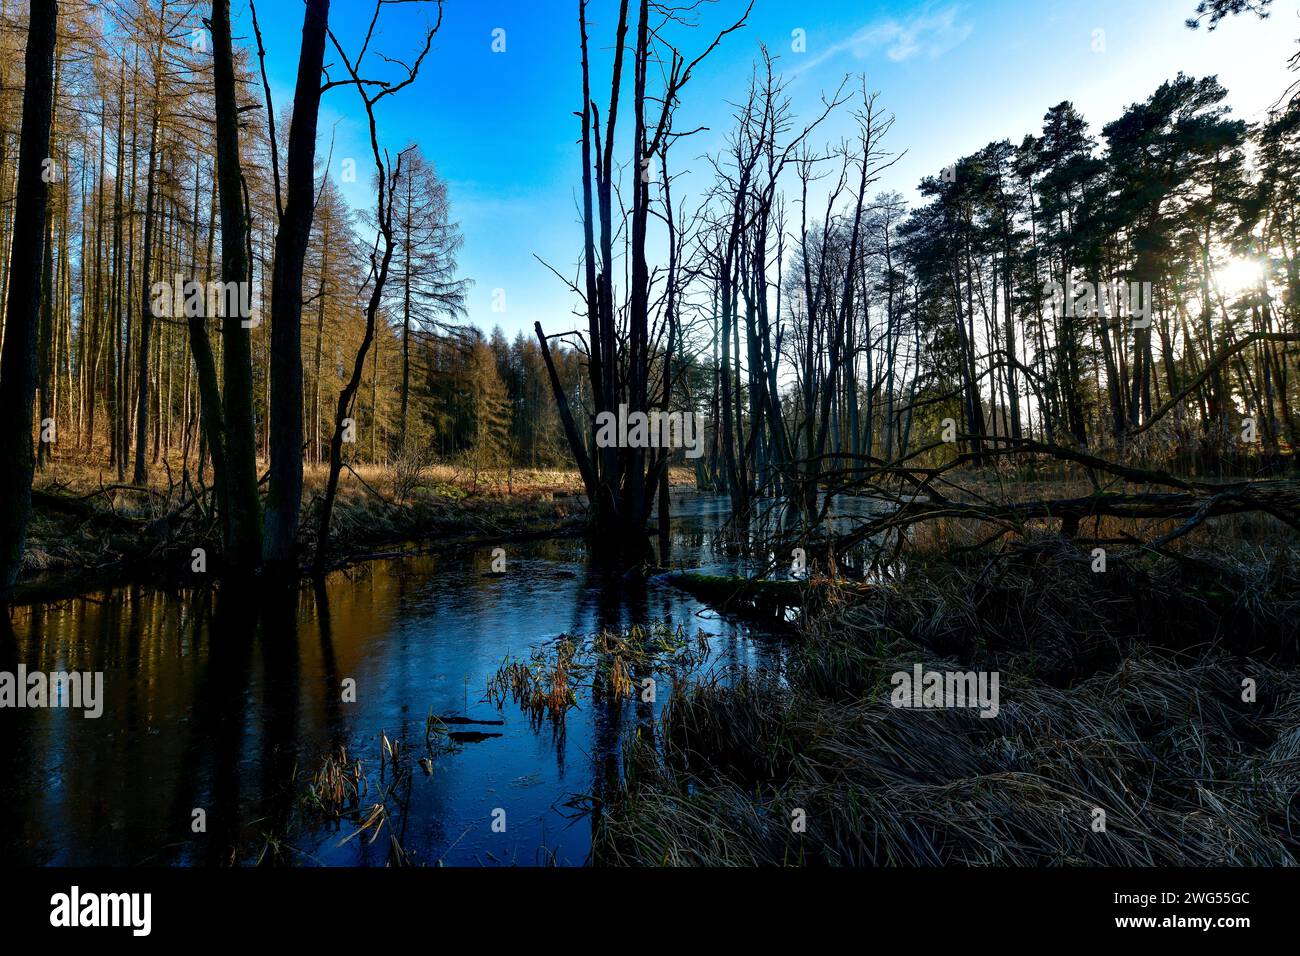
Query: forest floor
{"type": "Point", "coordinates": [88, 530]}
{"type": "Point", "coordinates": [1149, 715]}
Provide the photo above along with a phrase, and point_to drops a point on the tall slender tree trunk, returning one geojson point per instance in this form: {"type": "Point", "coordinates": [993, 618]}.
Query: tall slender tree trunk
{"type": "Point", "coordinates": [112, 385]}
{"type": "Point", "coordinates": [320, 344]}
{"type": "Point", "coordinates": [45, 334]}
{"type": "Point", "coordinates": [124, 380]}
{"type": "Point", "coordinates": [18, 357]}
{"type": "Point", "coordinates": [284, 494]}
{"type": "Point", "coordinates": [141, 474]}
{"type": "Point", "coordinates": [244, 524]}
{"type": "Point", "coordinates": [406, 319]}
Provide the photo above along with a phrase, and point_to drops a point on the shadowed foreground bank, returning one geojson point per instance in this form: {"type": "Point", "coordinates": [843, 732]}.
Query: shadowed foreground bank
{"type": "Point", "coordinates": [1123, 693]}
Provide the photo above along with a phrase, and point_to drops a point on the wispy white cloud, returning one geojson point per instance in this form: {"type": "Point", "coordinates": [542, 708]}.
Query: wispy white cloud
{"type": "Point", "coordinates": [930, 33]}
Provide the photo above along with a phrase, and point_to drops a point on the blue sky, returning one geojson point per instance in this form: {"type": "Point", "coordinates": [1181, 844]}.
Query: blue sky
{"type": "Point", "coordinates": [957, 74]}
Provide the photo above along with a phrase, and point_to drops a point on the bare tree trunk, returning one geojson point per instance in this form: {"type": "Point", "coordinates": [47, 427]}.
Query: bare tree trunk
{"type": "Point", "coordinates": [244, 525]}
{"type": "Point", "coordinates": [387, 178]}
{"type": "Point", "coordinates": [113, 376]}
{"type": "Point", "coordinates": [141, 475]}
{"type": "Point", "coordinates": [284, 493]}
{"type": "Point", "coordinates": [319, 350]}
{"type": "Point", "coordinates": [45, 328]}
{"type": "Point", "coordinates": [18, 359]}
{"type": "Point", "coordinates": [406, 322]}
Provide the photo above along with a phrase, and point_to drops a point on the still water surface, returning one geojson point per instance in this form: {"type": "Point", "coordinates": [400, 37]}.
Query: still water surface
{"type": "Point", "coordinates": [214, 702]}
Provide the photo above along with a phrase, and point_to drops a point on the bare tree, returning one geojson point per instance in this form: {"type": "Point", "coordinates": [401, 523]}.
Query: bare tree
{"type": "Point", "coordinates": [617, 482]}
{"type": "Point", "coordinates": [243, 523]}
{"type": "Point", "coordinates": [387, 175]}
{"type": "Point", "coordinates": [18, 360]}
{"type": "Point", "coordinates": [284, 492]}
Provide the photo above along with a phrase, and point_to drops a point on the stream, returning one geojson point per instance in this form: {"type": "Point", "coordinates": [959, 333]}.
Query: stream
{"type": "Point", "coordinates": [213, 704]}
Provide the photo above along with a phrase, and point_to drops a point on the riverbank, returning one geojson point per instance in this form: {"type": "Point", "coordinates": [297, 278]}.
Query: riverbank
{"type": "Point", "coordinates": [1144, 716]}
{"type": "Point", "coordinates": [88, 532]}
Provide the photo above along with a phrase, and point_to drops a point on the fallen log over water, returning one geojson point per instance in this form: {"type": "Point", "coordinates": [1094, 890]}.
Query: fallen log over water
{"type": "Point", "coordinates": [731, 593]}
{"type": "Point", "coordinates": [921, 494]}
{"type": "Point", "coordinates": [1275, 498]}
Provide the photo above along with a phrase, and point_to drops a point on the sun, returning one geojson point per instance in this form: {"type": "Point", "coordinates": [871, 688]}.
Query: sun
{"type": "Point", "coordinates": [1237, 276]}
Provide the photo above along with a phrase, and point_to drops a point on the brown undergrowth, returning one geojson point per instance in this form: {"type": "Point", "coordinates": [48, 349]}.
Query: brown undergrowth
{"type": "Point", "coordinates": [1161, 693]}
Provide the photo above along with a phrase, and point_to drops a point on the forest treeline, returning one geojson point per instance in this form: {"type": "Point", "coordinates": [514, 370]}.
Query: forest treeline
{"type": "Point", "coordinates": [840, 331]}
{"type": "Point", "coordinates": [172, 203]}
{"type": "Point", "coordinates": [132, 147]}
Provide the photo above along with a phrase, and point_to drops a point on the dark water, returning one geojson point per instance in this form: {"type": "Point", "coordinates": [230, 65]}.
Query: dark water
{"type": "Point", "coordinates": [225, 703]}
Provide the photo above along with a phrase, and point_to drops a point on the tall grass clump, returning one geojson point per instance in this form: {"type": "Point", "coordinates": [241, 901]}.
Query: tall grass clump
{"type": "Point", "coordinates": [1148, 717]}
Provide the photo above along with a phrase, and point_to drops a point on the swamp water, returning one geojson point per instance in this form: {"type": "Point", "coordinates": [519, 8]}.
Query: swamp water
{"type": "Point", "coordinates": [213, 703]}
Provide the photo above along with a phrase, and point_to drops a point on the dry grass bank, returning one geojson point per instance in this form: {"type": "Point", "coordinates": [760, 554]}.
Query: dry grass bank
{"type": "Point", "coordinates": [1119, 692]}
{"type": "Point", "coordinates": [87, 523]}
